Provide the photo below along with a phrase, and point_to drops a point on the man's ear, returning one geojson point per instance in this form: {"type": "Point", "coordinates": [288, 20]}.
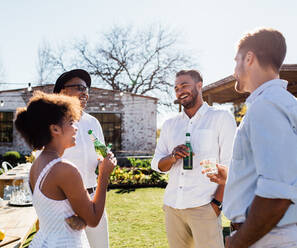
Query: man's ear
{"type": "Point", "coordinates": [199, 86]}
{"type": "Point", "coordinates": [55, 129]}
{"type": "Point", "coordinates": [249, 58]}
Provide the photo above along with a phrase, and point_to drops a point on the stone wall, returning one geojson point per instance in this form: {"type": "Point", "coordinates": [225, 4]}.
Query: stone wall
{"type": "Point", "coordinates": [139, 125]}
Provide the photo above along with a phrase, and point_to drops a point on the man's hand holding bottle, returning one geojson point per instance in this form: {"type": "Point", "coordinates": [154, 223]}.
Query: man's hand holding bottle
{"type": "Point", "coordinates": [179, 152]}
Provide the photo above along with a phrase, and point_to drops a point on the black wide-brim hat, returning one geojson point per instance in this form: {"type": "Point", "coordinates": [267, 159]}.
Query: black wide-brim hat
{"type": "Point", "coordinates": [68, 75]}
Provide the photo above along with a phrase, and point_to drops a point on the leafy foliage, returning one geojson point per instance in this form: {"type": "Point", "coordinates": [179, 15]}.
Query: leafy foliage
{"type": "Point", "coordinates": [141, 163]}
{"type": "Point", "coordinates": [239, 112]}
{"type": "Point", "coordinates": [13, 157]}
{"type": "Point", "coordinates": [139, 174]}
{"type": "Point", "coordinates": [30, 158]}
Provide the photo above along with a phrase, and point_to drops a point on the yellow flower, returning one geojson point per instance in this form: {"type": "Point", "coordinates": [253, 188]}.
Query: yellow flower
{"type": "Point", "coordinates": [2, 235]}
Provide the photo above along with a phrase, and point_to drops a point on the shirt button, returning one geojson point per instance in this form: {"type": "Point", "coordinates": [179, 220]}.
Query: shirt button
{"type": "Point", "coordinates": [180, 187]}
{"type": "Point", "coordinates": [182, 173]}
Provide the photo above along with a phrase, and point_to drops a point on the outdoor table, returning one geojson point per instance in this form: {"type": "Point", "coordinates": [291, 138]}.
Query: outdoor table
{"type": "Point", "coordinates": [17, 223]}
{"type": "Point", "coordinates": [14, 176]}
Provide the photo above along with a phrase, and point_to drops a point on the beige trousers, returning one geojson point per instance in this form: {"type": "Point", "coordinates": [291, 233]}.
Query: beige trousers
{"type": "Point", "coordinates": [193, 227]}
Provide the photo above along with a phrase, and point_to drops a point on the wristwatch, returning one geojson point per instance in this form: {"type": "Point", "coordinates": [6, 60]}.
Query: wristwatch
{"type": "Point", "coordinates": [218, 203]}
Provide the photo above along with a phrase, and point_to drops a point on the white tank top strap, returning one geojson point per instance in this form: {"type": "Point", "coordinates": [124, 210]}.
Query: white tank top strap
{"type": "Point", "coordinates": [68, 162]}
{"type": "Point", "coordinates": [44, 173]}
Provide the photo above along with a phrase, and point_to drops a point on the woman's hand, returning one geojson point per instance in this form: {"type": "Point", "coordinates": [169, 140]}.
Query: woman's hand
{"type": "Point", "coordinates": [219, 178]}
{"type": "Point", "coordinates": [108, 164]}
{"type": "Point", "coordinates": [76, 223]}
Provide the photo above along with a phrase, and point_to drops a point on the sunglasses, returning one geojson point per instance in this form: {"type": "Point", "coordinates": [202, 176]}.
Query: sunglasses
{"type": "Point", "coordinates": [78, 87]}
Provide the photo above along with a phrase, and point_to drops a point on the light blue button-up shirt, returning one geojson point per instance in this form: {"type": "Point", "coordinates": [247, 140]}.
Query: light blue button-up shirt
{"type": "Point", "coordinates": [264, 160]}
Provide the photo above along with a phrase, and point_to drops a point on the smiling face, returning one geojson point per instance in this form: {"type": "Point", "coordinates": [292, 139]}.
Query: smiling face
{"type": "Point", "coordinates": [78, 88]}
{"type": "Point", "coordinates": [187, 91]}
{"type": "Point", "coordinates": [69, 130]}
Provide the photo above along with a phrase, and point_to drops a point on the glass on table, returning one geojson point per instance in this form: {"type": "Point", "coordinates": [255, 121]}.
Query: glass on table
{"type": "Point", "coordinates": [7, 192]}
{"type": "Point", "coordinates": [2, 203]}
{"type": "Point", "coordinates": [209, 166]}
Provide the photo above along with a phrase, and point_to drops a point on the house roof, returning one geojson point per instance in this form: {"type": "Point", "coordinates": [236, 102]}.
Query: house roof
{"type": "Point", "coordinates": [223, 91]}
{"type": "Point", "coordinates": [49, 89]}
{"type": "Point", "coordinates": [12, 101]}
{"type": "Point", "coordinates": [15, 98]}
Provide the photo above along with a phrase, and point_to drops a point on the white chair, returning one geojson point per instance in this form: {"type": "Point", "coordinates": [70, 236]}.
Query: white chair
{"type": "Point", "coordinates": [6, 166]}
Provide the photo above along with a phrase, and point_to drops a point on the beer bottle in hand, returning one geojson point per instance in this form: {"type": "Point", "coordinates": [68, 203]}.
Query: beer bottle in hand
{"type": "Point", "coordinates": [188, 161]}
{"type": "Point", "coordinates": [100, 148]}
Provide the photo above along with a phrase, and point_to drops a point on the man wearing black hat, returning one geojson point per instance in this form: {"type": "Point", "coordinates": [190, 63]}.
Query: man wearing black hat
{"type": "Point", "coordinates": [77, 83]}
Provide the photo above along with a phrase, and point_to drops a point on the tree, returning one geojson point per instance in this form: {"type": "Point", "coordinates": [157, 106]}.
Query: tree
{"type": "Point", "coordinates": [50, 63]}
{"type": "Point", "coordinates": [126, 59]}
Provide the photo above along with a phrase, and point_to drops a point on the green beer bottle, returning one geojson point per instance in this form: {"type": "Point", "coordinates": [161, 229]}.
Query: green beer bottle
{"type": "Point", "coordinates": [100, 148]}
{"type": "Point", "coordinates": [188, 161]}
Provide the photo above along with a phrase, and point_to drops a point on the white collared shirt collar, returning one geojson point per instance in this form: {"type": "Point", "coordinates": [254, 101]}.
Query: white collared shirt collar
{"type": "Point", "coordinates": [200, 112]}
{"type": "Point", "coordinates": [261, 88]}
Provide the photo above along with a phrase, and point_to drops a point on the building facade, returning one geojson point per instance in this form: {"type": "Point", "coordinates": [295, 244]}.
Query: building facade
{"type": "Point", "coordinates": [129, 121]}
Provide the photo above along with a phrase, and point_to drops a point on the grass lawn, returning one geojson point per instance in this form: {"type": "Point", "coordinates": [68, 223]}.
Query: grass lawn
{"type": "Point", "coordinates": [136, 218]}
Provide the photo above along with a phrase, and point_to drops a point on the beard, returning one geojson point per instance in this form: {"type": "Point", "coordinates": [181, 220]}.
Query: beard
{"type": "Point", "coordinates": [83, 103]}
{"type": "Point", "coordinates": [191, 102]}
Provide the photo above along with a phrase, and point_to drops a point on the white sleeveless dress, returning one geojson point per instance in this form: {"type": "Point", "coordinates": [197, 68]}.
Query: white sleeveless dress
{"type": "Point", "coordinates": [54, 232]}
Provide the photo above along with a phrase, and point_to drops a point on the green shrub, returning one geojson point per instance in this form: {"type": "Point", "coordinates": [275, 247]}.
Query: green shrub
{"type": "Point", "coordinates": [136, 177]}
{"type": "Point", "coordinates": [12, 157]}
{"type": "Point", "coordinates": [140, 163]}
{"type": "Point", "coordinates": [136, 172]}
{"type": "Point", "coordinates": [23, 159]}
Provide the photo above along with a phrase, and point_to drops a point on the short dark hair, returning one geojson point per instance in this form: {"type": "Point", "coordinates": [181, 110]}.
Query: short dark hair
{"type": "Point", "coordinates": [42, 111]}
{"type": "Point", "coordinates": [268, 45]}
{"type": "Point", "coordinates": [194, 74]}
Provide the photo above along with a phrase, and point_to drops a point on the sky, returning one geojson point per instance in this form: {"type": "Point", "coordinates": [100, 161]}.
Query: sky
{"type": "Point", "coordinates": [209, 29]}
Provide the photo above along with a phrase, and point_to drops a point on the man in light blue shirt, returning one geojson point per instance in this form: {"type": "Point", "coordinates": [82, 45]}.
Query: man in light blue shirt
{"type": "Point", "coordinates": [261, 190]}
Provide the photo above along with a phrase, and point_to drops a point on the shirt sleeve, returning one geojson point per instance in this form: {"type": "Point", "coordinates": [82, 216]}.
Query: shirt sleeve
{"type": "Point", "coordinates": [161, 148]}
{"type": "Point", "coordinates": [274, 145]}
{"type": "Point", "coordinates": [226, 137]}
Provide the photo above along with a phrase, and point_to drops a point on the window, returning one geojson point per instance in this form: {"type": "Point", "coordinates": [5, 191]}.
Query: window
{"type": "Point", "coordinates": [111, 124]}
{"type": "Point", "coordinates": [6, 127]}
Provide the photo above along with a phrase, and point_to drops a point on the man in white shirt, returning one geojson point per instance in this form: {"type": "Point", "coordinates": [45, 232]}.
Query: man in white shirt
{"type": "Point", "coordinates": [261, 191]}
{"type": "Point", "coordinates": [77, 83]}
{"type": "Point", "coordinates": [192, 204]}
